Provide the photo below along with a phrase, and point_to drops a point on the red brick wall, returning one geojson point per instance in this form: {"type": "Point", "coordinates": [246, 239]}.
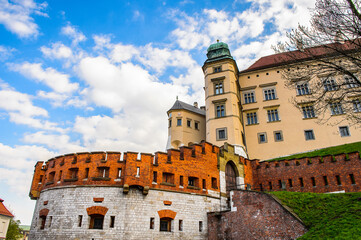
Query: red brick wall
{"type": "Point", "coordinates": [258, 216]}
{"type": "Point", "coordinates": [342, 165]}
{"type": "Point", "coordinates": [197, 161]}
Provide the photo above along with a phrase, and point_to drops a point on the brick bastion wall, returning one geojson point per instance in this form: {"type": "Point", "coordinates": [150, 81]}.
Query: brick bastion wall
{"type": "Point", "coordinates": [330, 173]}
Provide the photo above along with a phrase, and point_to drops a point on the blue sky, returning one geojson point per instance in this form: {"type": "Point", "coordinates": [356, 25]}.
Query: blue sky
{"type": "Point", "coordinates": [100, 75]}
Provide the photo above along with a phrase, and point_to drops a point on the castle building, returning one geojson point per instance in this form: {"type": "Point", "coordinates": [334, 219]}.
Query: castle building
{"type": "Point", "coordinates": [198, 188]}
{"type": "Point", "coordinates": [5, 216]}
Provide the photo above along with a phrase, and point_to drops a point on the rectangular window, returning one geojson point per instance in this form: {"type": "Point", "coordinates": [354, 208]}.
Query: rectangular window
{"type": "Point", "coordinates": [309, 135]}
{"type": "Point", "coordinates": [262, 137]}
{"type": "Point", "coordinates": [290, 183]}
{"type": "Point", "coordinates": [273, 115]}
{"type": "Point", "coordinates": [270, 185]}
{"type": "Point", "coordinates": [165, 225]}
{"type": "Point", "coordinates": [73, 173]}
{"type": "Point", "coordinates": [179, 122]}
{"type": "Point", "coordinates": [214, 183]}
{"type": "Point", "coordinates": [50, 220]}
{"type": "Point", "coordinates": [249, 97]}
{"type": "Point", "coordinates": [180, 180]}
{"type": "Point", "coordinates": [338, 180]}
{"type": "Point", "coordinates": [279, 183]}
{"type": "Point", "coordinates": [269, 94]}
{"type": "Point", "coordinates": [112, 221]}
{"type": "Point", "coordinates": [252, 118]}
{"type": "Point", "coordinates": [344, 131]}
{"type": "Point", "coordinates": [138, 171]}
{"type": "Point", "coordinates": [220, 111]}
{"type": "Point", "coordinates": [103, 172]}
{"type": "Point", "coordinates": [204, 186]}
{"type": "Point", "coordinates": [278, 136]}
{"type": "Point", "coordinates": [325, 180]}
{"type": "Point", "coordinates": [302, 89]}
{"type": "Point", "coordinates": [80, 219]}
{"type": "Point", "coordinates": [308, 111]}
{"type": "Point", "coordinates": [200, 226]}
{"type": "Point", "coordinates": [221, 134]}
{"type": "Point", "coordinates": [356, 105]}
{"type": "Point", "coordinates": [352, 179]}
{"type": "Point", "coordinates": [336, 108]}
{"type": "Point", "coordinates": [119, 175]}
{"type": "Point", "coordinates": [313, 180]}
{"type": "Point", "coordinates": [217, 69]}
{"type": "Point", "coordinates": [86, 173]}
{"type": "Point", "coordinates": [301, 182]}
{"type": "Point", "coordinates": [189, 123]}
{"type": "Point", "coordinates": [169, 122]}
{"type": "Point", "coordinates": [196, 125]}
{"type": "Point", "coordinates": [193, 181]}
{"type": "Point", "coordinates": [168, 178]}
{"type": "Point", "coordinates": [218, 88]}
{"type": "Point", "coordinates": [155, 175]}
{"type": "Point", "coordinates": [351, 82]}
{"type": "Point", "coordinates": [329, 84]}
{"type": "Point", "coordinates": [60, 175]}
{"type": "Point", "coordinates": [180, 225]}
{"type": "Point", "coordinates": [151, 223]}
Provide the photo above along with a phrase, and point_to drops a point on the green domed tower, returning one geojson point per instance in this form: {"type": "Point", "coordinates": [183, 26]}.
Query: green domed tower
{"type": "Point", "coordinates": [223, 109]}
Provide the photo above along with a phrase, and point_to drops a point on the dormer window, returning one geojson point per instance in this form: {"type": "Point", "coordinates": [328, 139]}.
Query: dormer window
{"type": "Point", "coordinates": [217, 69]}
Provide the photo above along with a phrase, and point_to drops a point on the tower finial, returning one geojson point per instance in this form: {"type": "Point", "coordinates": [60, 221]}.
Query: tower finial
{"type": "Point", "coordinates": [217, 40]}
{"type": "Point", "coordinates": [177, 98]}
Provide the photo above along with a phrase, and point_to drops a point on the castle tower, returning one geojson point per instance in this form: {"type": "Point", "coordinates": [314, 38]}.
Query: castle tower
{"type": "Point", "coordinates": [223, 109]}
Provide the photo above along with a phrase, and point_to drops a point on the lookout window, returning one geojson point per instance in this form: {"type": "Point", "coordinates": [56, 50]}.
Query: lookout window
{"type": "Point", "coordinates": [168, 178]}
{"type": "Point", "coordinates": [42, 222]}
{"type": "Point", "coordinates": [96, 221]}
{"type": "Point", "coordinates": [165, 224]}
{"type": "Point", "coordinates": [217, 69]}
{"type": "Point", "coordinates": [103, 172]}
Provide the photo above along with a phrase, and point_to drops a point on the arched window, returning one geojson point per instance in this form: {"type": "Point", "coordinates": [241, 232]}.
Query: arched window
{"type": "Point", "coordinates": [231, 177]}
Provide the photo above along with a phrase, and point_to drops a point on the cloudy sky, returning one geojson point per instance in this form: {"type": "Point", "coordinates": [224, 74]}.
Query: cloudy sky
{"type": "Point", "coordinates": [100, 75]}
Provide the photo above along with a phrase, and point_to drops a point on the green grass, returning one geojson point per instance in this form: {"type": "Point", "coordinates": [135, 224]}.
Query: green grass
{"type": "Point", "coordinates": [327, 216]}
{"type": "Point", "coordinates": [346, 148]}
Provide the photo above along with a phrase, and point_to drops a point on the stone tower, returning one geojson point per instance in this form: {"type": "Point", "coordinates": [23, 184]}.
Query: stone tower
{"type": "Point", "coordinates": [223, 109]}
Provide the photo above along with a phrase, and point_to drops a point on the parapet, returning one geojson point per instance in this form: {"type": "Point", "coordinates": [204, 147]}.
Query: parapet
{"type": "Point", "coordinates": [189, 169]}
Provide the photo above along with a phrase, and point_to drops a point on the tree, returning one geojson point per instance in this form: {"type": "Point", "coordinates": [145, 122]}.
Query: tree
{"type": "Point", "coordinates": [323, 62]}
{"type": "Point", "coordinates": [14, 231]}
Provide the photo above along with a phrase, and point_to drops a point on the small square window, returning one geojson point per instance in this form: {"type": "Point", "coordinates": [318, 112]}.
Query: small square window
{"type": "Point", "coordinates": [179, 122]}
{"type": "Point", "coordinates": [262, 137]}
{"type": "Point", "coordinates": [344, 131]}
{"type": "Point", "coordinates": [221, 134]}
{"type": "Point", "coordinates": [278, 136]}
{"type": "Point", "coordinates": [217, 69]}
{"type": "Point", "coordinates": [309, 135]}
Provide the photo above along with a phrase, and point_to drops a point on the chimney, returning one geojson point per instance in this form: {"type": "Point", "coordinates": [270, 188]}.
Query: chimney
{"type": "Point", "coordinates": [203, 108]}
{"type": "Point", "coordinates": [195, 104]}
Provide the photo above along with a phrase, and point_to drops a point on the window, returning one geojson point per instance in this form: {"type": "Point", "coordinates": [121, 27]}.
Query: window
{"type": "Point", "coordinates": [42, 223]}
{"type": "Point", "coordinates": [356, 105]}
{"type": "Point", "coordinates": [270, 185]}
{"type": "Point", "coordinates": [51, 177]}
{"type": "Point", "coordinates": [119, 175]}
{"type": "Point", "coordinates": [165, 225]}
{"type": "Point", "coordinates": [151, 223]}
{"type": "Point", "coordinates": [180, 225]}
{"type": "Point", "coordinates": [252, 118]}
{"type": "Point", "coordinates": [302, 89]}
{"type": "Point", "coordinates": [50, 220]}
{"type": "Point", "coordinates": [103, 172]}
{"type": "Point", "coordinates": [169, 122]}
{"type": "Point", "coordinates": [60, 175]}
{"type": "Point", "coordinates": [200, 226]}
{"type": "Point", "coordinates": [336, 108]}
{"type": "Point", "coordinates": [196, 125]}
{"type": "Point", "coordinates": [249, 97]}
{"type": "Point", "coordinates": [73, 173]}
{"type": "Point", "coordinates": [217, 69]}
{"type": "Point", "coordinates": [86, 173]}
{"type": "Point", "coordinates": [220, 110]}
{"type": "Point", "coordinates": [290, 183]}
{"type": "Point", "coordinates": [338, 180]}
{"type": "Point", "coordinates": [352, 179]}
{"type": "Point", "coordinates": [344, 132]}
{"type": "Point", "coordinates": [214, 183]}
{"type": "Point", "coordinates": [193, 181]}
{"type": "Point", "coordinates": [204, 186]}
{"type": "Point", "coordinates": [112, 221]}
{"type": "Point", "coordinates": [189, 123]}
{"type": "Point", "coordinates": [221, 134]}
{"type": "Point", "coordinates": [313, 180]}
{"type": "Point", "coordinates": [262, 137]}
{"type": "Point", "coordinates": [179, 122]}
{"type": "Point", "coordinates": [80, 219]}
{"type": "Point", "coordinates": [351, 82]}
{"type": "Point", "coordinates": [280, 184]}
{"type": "Point", "coordinates": [278, 136]}
{"type": "Point", "coordinates": [273, 115]}
{"type": "Point", "coordinates": [96, 221]}
{"type": "Point", "coordinates": [301, 182]}
{"type": "Point", "coordinates": [180, 180]}
{"type": "Point", "coordinates": [325, 180]}
{"type": "Point", "coordinates": [308, 111]}
{"type": "Point", "coordinates": [329, 84]}
{"type": "Point", "coordinates": [218, 88]}
{"type": "Point", "coordinates": [309, 135]}
{"type": "Point", "coordinates": [138, 172]}
{"type": "Point", "coordinates": [155, 175]}
{"type": "Point", "coordinates": [168, 178]}
{"type": "Point", "coordinates": [269, 94]}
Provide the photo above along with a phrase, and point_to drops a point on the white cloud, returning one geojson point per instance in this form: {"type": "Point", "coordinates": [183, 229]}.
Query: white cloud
{"type": "Point", "coordinates": [73, 33]}
{"type": "Point", "coordinates": [57, 51]}
{"type": "Point", "coordinates": [59, 82]}
{"type": "Point", "coordinates": [122, 53]}
{"type": "Point", "coordinates": [16, 17]}
{"type": "Point", "coordinates": [5, 53]}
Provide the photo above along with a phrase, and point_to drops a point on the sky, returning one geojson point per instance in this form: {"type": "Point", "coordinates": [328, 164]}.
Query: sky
{"type": "Point", "coordinates": [92, 75]}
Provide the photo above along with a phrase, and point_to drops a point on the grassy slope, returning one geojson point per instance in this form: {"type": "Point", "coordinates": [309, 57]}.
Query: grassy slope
{"type": "Point", "coordinates": [327, 216]}
{"type": "Point", "coordinates": [346, 148]}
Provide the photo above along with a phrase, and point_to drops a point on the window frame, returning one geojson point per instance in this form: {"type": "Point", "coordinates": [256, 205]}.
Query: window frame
{"type": "Point", "coordinates": [221, 109]}
{"type": "Point", "coordinates": [259, 137]}
{"type": "Point", "coordinates": [336, 108]}
{"type": "Point", "coordinates": [350, 82]}
{"type": "Point", "coordinates": [217, 69]}
{"type": "Point", "coordinates": [280, 133]}
{"type": "Point", "coordinates": [267, 94]}
{"type": "Point", "coordinates": [342, 132]}
{"type": "Point", "coordinates": [271, 112]}
{"type": "Point", "coordinates": [179, 122]}
{"type": "Point", "coordinates": [218, 87]}
{"type": "Point", "coordinates": [252, 118]}
{"type": "Point", "coordinates": [302, 88]}
{"type": "Point", "coordinates": [356, 103]}
{"type": "Point", "coordinates": [308, 111]}
{"type": "Point", "coordinates": [218, 130]}
{"type": "Point", "coordinates": [306, 135]}
{"type": "Point", "coordinates": [329, 84]}
{"type": "Point", "coordinates": [249, 95]}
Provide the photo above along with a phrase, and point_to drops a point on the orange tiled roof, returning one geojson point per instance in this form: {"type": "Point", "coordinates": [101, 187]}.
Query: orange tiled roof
{"type": "Point", "coordinates": [3, 210]}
